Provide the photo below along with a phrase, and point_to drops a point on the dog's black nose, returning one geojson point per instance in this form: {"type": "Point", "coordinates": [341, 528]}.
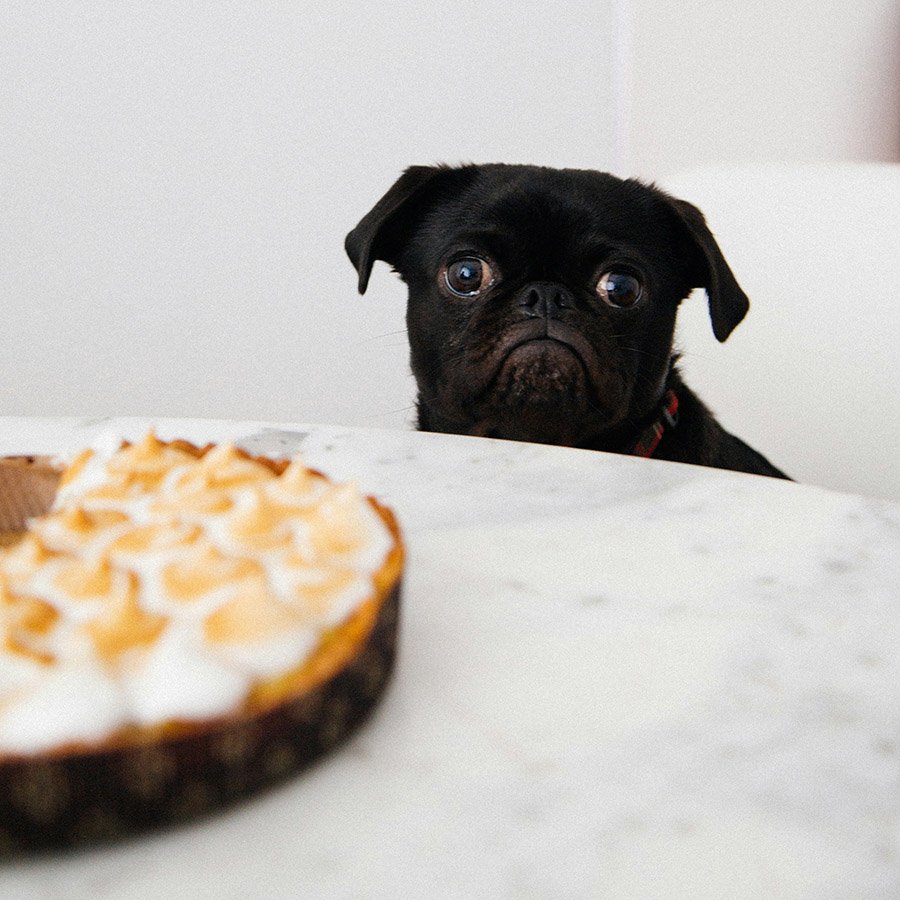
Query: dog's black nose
{"type": "Point", "coordinates": [545, 299]}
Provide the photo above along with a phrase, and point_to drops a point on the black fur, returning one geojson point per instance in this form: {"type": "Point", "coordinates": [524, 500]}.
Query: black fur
{"type": "Point", "coordinates": [537, 355]}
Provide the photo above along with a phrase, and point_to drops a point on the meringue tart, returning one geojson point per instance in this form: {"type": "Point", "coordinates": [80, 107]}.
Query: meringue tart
{"type": "Point", "coordinates": [182, 626]}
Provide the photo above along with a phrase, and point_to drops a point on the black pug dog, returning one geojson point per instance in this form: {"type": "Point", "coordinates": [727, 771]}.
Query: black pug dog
{"type": "Point", "coordinates": [542, 307]}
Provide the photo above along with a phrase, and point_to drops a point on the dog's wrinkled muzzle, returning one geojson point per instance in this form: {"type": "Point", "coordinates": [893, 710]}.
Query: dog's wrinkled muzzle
{"type": "Point", "coordinates": [550, 327]}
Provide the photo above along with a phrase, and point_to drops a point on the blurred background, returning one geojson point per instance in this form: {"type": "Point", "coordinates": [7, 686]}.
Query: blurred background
{"type": "Point", "coordinates": [178, 178]}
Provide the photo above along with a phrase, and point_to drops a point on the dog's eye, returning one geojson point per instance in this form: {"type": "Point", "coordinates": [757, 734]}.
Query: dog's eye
{"type": "Point", "coordinates": [619, 289]}
{"type": "Point", "coordinates": [468, 277]}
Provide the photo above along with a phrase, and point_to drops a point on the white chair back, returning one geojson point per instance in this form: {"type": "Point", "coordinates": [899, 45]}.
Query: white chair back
{"type": "Point", "coordinates": [810, 378]}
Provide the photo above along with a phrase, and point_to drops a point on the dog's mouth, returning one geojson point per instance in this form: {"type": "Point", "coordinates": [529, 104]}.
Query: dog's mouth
{"type": "Point", "coordinates": [547, 348]}
{"type": "Point", "coordinates": [544, 366]}
{"type": "Point", "coordinates": [542, 381]}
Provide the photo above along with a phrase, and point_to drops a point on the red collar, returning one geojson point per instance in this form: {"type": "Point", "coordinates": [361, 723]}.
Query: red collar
{"type": "Point", "coordinates": [652, 434]}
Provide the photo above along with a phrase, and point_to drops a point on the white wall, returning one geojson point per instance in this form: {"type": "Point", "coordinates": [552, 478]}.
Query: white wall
{"type": "Point", "coordinates": [177, 178]}
{"type": "Point", "coordinates": [715, 81]}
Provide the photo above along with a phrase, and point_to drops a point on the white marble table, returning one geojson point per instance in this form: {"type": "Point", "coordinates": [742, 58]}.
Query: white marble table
{"type": "Point", "coordinates": [617, 678]}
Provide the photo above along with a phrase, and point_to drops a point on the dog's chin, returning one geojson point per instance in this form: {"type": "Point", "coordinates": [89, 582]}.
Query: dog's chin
{"type": "Point", "coordinates": [540, 393]}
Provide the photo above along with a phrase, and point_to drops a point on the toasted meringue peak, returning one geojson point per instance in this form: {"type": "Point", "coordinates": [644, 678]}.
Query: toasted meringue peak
{"type": "Point", "coordinates": [24, 625]}
{"type": "Point", "coordinates": [82, 524]}
{"type": "Point", "coordinates": [316, 589]}
{"type": "Point", "coordinates": [85, 579]}
{"type": "Point", "coordinates": [96, 520]}
{"type": "Point", "coordinates": [120, 487]}
{"type": "Point", "coordinates": [337, 524]}
{"type": "Point", "coordinates": [251, 616]}
{"type": "Point", "coordinates": [227, 467]}
{"type": "Point", "coordinates": [147, 461]}
{"type": "Point", "coordinates": [33, 615]}
{"type": "Point", "coordinates": [204, 570]}
{"type": "Point", "coordinates": [296, 480]}
{"type": "Point", "coordinates": [154, 537]}
{"type": "Point", "coordinates": [23, 559]}
{"type": "Point", "coordinates": [76, 467]}
{"type": "Point", "coordinates": [193, 493]}
{"type": "Point", "coordinates": [124, 625]}
{"type": "Point", "coordinates": [7, 598]}
{"type": "Point", "coordinates": [263, 523]}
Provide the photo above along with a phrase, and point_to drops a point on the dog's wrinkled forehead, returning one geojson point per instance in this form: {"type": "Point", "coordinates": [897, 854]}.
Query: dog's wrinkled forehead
{"type": "Point", "coordinates": [557, 217]}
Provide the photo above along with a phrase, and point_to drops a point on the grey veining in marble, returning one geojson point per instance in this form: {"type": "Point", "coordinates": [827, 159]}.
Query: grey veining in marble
{"type": "Point", "coordinates": [618, 678]}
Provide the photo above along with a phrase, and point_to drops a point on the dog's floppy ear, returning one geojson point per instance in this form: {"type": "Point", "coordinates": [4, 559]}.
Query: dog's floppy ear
{"type": "Point", "coordinates": [377, 236]}
{"type": "Point", "coordinates": [728, 304]}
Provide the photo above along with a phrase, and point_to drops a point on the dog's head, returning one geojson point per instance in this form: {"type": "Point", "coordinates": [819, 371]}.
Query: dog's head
{"type": "Point", "coordinates": [542, 302]}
